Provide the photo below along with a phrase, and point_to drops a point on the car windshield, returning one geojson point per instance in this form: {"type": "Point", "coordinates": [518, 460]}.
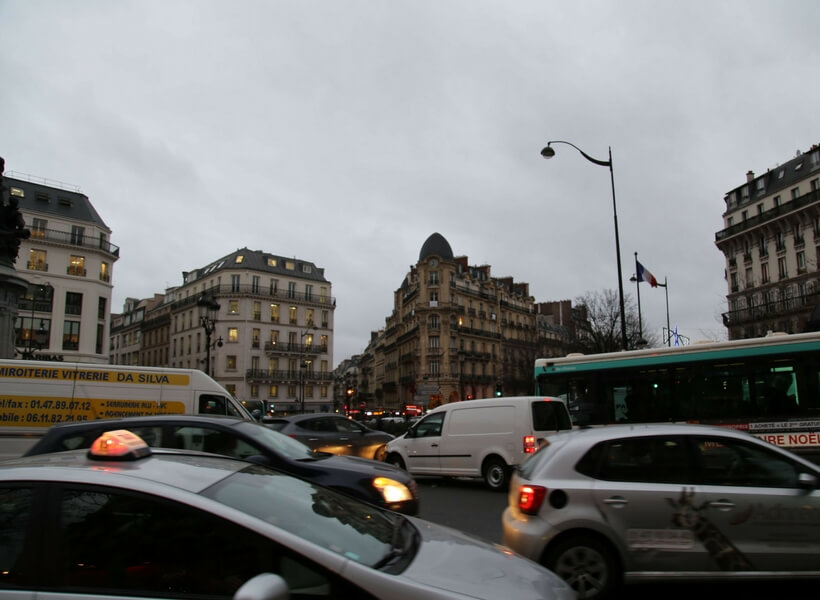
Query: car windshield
{"type": "Point", "coordinates": [342, 524]}
{"type": "Point", "coordinates": [279, 442]}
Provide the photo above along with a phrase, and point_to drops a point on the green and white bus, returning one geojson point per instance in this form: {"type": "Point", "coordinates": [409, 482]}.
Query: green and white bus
{"type": "Point", "coordinates": [769, 386]}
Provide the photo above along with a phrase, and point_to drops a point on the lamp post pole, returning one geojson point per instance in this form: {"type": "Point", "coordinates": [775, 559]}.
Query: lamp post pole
{"type": "Point", "coordinates": [209, 309]}
{"type": "Point", "coordinates": [665, 286]}
{"type": "Point", "coordinates": [549, 152]}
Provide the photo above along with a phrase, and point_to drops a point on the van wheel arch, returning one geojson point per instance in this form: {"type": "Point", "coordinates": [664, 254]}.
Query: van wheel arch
{"type": "Point", "coordinates": [495, 472]}
{"type": "Point", "coordinates": [395, 459]}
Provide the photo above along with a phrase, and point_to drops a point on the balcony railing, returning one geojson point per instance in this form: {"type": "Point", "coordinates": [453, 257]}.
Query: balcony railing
{"type": "Point", "coordinates": [769, 310]}
{"type": "Point", "coordinates": [71, 239]}
{"type": "Point", "coordinates": [287, 376]}
{"type": "Point", "coordinates": [292, 348]}
{"type": "Point", "coordinates": [773, 213]}
{"type": "Point", "coordinates": [250, 290]}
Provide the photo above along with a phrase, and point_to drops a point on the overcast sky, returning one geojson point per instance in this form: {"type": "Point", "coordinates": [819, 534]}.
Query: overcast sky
{"type": "Point", "coordinates": [345, 132]}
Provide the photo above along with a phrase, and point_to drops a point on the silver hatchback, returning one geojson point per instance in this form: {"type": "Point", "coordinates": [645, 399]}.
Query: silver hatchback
{"type": "Point", "coordinates": [633, 503]}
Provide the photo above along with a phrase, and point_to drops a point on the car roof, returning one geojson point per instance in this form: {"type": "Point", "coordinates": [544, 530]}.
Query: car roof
{"type": "Point", "coordinates": [606, 432]}
{"type": "Point", "coordinates": [185, 470]}
{"type": "Point", "coordinates": [171, 418]}
{"type": "Point", "coordinates": [294, 418]}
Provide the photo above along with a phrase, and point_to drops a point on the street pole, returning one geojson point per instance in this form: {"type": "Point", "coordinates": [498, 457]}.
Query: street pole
{"type": "Point", "coordinates": [549, 152]}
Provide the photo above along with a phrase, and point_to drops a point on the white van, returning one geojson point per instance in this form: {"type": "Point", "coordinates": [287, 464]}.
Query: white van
{"type": "Point", "coordinates": [37, 394]}
{"type": "Point", "coordinates": [478, 438]}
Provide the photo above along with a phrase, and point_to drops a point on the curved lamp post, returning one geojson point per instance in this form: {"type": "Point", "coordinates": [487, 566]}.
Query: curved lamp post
{"type": "Point", "coordinates": [549, 152]}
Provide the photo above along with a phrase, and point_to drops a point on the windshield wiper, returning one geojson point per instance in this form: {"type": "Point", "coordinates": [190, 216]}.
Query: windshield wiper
{"type": "Point", "coordinates": [396, 550]}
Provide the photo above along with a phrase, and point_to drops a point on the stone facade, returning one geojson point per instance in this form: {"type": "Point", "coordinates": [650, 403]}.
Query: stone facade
{"type": "Point", "coordinates": [456, 332]}
{"type": "Point", "coordinates": [68, 264]}
{"type": "Point", "coordinates": [771, 242]}
{"type": "Point", "coordinates": [272, 333]}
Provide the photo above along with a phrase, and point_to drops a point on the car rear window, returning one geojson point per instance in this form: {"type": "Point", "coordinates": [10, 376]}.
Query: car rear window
{"type": "Point", "coordinates": [550, 415]}
{"type": "Point", "coordinates": [275, 424]}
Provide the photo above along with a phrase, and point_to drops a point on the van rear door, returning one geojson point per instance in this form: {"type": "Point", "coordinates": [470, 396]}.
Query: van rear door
{"type": "Point", "coordinates": [549, 416]}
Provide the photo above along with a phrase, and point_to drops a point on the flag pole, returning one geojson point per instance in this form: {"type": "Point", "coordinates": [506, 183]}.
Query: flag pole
{"type": "Point", "coordinates": [638, 287]}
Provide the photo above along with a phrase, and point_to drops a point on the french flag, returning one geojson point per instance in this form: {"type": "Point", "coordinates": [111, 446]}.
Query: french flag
{"type": "Point", "coordinates": [645, 275]}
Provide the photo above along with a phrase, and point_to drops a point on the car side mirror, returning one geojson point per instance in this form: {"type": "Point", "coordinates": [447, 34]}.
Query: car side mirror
{"type": "Point", "coordinates": [266, 586]}
{"type": "Point", "coordinates": [807, 481]}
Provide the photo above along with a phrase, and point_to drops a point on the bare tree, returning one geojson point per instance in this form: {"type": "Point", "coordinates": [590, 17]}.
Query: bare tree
{"type": "Point", "coordinates": [598, 324]}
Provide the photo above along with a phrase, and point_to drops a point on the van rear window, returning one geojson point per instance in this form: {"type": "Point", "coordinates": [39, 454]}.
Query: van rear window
{"type": "Point", "coordinates": [550, 416]}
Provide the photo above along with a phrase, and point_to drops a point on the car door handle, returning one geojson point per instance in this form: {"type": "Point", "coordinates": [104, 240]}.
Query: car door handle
{"type": "Point", "coordinates": [722, 504]}
{"type": "Point", "coordinates": [341, 439]}
{"type": "Point", "coordinates": [434, 445]}
{"type": "Point", "coordinates": [313, 439]}
{"type": "Point", "coordinates": [616, 501]}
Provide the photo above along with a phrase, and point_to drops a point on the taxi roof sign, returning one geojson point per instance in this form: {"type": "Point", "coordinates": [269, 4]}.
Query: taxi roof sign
{"type": "Point", "coordinates": [120, 444]}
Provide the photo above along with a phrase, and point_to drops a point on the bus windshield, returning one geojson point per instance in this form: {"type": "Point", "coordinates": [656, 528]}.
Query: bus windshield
{"type": "Point", "coordinates": [768, 386]}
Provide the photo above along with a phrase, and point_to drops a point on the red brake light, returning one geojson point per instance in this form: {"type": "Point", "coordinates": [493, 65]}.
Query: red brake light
{"type": "Point", "coordinates": [529, 444]}
{"type": "Point", "coordinates": [530, 498]}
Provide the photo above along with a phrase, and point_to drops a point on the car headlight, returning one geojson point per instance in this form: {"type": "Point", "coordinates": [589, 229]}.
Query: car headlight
{"type": "Point", "coordinates": [392, 490]}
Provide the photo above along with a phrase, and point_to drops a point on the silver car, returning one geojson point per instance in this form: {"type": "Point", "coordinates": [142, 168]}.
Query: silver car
{"type": "Point", "coordinates": [636, 503]}
{"type": "Point", "coordinates": [122, 519]}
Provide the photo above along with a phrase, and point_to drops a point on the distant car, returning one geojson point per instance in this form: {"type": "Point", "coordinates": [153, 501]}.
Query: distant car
{"type": "Point", "coordinates": [660, 502]}
{"type": "Point", "coordinates": [330, 432]}
{"type": "Point", "coordinates": [368, 480]}
{"type": "Point", "coordinates": [124, 520]}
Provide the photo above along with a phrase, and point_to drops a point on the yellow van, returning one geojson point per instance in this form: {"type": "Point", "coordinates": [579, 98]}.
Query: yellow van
{"type": "Point", "coordinates": [37, 394]}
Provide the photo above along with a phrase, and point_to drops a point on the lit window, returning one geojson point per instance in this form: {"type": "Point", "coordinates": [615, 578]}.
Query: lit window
{"type": "Point", "coordinates": [17, 192]}
{"type": "Point", "coordinates": [239, 258]}
{"type": "Point", "coordinates": [37, 260]}
{"type": "Point", "coordinates": [76, 266]}
{"type": "Point", "coordinates": [233, 334]}
{"type": "Point", "coordinates": [271, 261]}
{"type": "Point", "coordinates": [289, 265]}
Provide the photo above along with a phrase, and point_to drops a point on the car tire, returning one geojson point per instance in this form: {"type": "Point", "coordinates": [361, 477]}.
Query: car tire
{"type": "Point", "coordinates": [496, 474]}
{"type": "Point", "coordinates": [396, 461]}
{"type": "Point", "coordinates": [587, 564]}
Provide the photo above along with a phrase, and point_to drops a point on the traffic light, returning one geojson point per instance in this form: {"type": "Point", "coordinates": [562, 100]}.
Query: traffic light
{"type": "Point", "coordinates": [498, 389]}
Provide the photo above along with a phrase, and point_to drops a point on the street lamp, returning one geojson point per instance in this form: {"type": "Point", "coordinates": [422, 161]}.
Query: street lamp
{"type": "Point", "coordinates": [549, 152]}
{"type": "Point", "coordinates": [208, 311]}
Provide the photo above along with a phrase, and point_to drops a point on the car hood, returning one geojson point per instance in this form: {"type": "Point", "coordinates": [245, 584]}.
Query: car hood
{"type": "Point", "coordinates": [362, 466]}
{"type": "Point", "coordinates": [481, 570]}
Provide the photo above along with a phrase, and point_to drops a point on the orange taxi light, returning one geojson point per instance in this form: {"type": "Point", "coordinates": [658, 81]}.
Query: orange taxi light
{"type": "Point", "coordinates": [530, 498]}
{"type": "Point", "coordinates": [118, 445]}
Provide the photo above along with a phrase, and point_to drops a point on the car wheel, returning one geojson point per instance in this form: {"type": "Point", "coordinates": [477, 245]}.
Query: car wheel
{"type": "Point", "coordinates": [496, 474]}
{"type": "Point", "coordinates": [587, 564]}
{"type": "Point", "coordinates": [395, 460]}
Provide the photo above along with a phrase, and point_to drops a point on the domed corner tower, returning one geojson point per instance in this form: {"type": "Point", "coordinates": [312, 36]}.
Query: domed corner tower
{"type": "Point", "coordinates": [436, 245]}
